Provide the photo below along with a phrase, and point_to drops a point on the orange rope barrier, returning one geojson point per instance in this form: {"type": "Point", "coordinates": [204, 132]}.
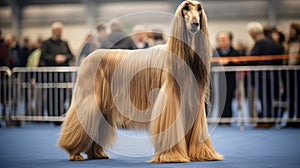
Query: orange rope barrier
{"type": "Point", "coordinates": [254, 58]}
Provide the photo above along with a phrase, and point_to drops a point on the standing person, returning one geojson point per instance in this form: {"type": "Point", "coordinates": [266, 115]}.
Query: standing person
{"type": "Point", "coordinates": [28, 93]}
{"type": "Point", "coordinates": [139, 36]}
{"type": "Point", "coordinates": [101, 34]}
{"type": "Point", "coordinates": [56, 52]}
{"type": "Point", "coordinates": [242, 47]}
{"type": "Point", "coordinates": [264, 45]}
{"type": "Point", "coordinates": [35, 93]}
{"type": "Point", "coordinates": [4, 52]}
{"type": "Point", "coordinates": [118, 39]}
{"type": "Point", "coordinates": [158, 37]}
{"type": "Point", "coordinates": [14, 50]}
{"type": "Point", "coordinates": [4, 61]}
{"type": "Point", "coordinates": [91, 44]}
{"type": "Point", "coordinates": [25, 51]}
{"type": "Point", "coordinates": [293, 47]}
{"type": "Point", "coordinates": [225, 49]}
{"type": "Point", "coordinates": [279, 37]}
{"type": "Point", "coordinates": [34, 57]}
{"type": "Point", "coordinates": [88, 47]}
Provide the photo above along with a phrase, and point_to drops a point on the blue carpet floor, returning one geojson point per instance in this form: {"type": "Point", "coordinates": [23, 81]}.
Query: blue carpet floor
{"type": "Point", "coordinates": [34, 145]}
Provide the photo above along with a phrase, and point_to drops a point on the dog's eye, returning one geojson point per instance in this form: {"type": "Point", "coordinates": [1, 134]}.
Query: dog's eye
{"type": "Point", "coordinates": [199, 8]}
{"type": "Point", "coordinates": [186, 7]}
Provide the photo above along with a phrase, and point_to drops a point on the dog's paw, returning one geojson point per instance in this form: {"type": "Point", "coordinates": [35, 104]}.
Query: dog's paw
{"type": "Point", "coordinates": [76, 157]}
{"type": "Point", "coordinates": [169, 157]}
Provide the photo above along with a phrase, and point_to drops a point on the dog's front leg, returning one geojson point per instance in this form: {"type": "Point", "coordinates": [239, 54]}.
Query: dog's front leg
{"type": "Point", "coordinates": [199, 143]}
{"type": "Point", "coordinates": [167, 129]}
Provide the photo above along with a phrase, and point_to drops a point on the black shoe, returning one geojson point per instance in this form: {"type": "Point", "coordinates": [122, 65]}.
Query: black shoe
{"type": "Point", "coordinates": [224, 124]}
{"type": "Point", "coordinates": [57, 123]}
{"type": "Point", "coordinates": [264, 125]}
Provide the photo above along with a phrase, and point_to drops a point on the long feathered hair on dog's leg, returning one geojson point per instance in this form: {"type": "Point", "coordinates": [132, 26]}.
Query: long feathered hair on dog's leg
{"type": "Point", "coordinates": [162, 89]}
{"type": "Point", "coordinates": [194, 49]}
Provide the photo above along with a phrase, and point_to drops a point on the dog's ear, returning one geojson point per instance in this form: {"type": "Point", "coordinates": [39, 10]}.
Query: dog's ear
{"type": "Point", "coordinates": [203, 50]}
{"type": "Point", "coordinates": [203, 22]}
{"type": "Point", "coordinates": [181, 8]}
{"type": "Point", "coordinates": [178, 27]}
{"type": "Point", "coordinates": [184, 8]}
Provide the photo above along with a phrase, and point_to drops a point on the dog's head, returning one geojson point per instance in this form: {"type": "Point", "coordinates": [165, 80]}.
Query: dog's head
{"type": "Point", "coordinates": [193, 14]}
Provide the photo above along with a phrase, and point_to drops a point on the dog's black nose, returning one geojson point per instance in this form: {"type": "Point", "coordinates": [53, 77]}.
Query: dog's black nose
{"type": "Point", "coordinates": [194, 25]}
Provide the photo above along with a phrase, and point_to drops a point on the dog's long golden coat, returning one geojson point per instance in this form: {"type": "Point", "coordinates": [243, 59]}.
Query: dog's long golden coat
{"type": "Point", "coordinates": [113, 89]}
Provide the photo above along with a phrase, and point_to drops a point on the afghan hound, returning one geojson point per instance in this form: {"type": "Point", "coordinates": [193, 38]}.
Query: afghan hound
{"type": "Point", "coordinates": [162, 89]}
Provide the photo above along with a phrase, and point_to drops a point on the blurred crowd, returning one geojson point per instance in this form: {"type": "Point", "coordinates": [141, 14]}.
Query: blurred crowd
{"type": "Point", "coordinates": [55, 51]}
{"type": "Point", "coordinates": [140, 37]}
{"type": "Point", "coordinates": [31, 54]}
{"type": "Point", "coordinates": [265, 87]}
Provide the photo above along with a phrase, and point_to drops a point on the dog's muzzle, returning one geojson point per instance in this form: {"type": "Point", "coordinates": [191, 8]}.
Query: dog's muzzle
{"type": "Point", "coordinates": [194, 27]}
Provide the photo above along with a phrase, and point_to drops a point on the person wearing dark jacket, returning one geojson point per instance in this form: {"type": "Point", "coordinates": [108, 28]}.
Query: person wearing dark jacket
{"type": "Point", "coordinates": [4, 52]}
{"type": "Point", "coordinates": [117, 39]}
{"type": "Point", "coordinates": [55, 52]}
{"type": "Point", "coordinates": [25, 51]}
{"type": "Point", "coordinates": [4, 61]}
{"type": "Point", "coordinates": [265, 46]}
{"type": "Point", "coordinates": [225, 49]}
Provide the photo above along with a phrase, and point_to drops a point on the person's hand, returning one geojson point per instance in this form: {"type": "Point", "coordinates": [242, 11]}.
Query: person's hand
{"type": "Point", "coordinates": [60, 58]}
